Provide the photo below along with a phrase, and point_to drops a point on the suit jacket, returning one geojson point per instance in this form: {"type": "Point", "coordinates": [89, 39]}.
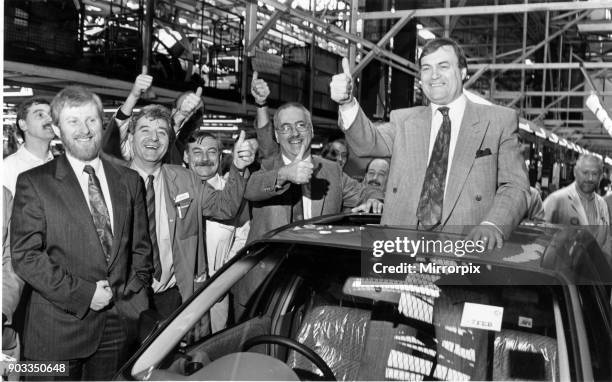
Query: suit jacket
{"type": "Point", "coordinates": [57, 251]}
{"type": "Point", "coordinates": [487, 179]}
{"type": "Point", "coordinates": [12, 285]}
{"type": "Point", "coordinates": [331, 190]}
{"type": "Point", "coordinates": [564, 207]}
{"type": "Point", "coordinates": [186, 227]}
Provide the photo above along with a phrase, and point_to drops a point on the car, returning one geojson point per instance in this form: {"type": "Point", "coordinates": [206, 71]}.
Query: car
{"type": "Point", "coordinates": [310, 301]}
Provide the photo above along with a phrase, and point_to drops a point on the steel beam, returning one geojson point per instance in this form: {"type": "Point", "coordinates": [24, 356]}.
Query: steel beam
{"type": "Point", "coordinates": [490, 9]}
{"type": "Point", "coordinates": [540, 66]}
{"type": "Point", "coordinates": [380, 44]}
{"type": "Point", "coordinates": [254, 40]}
{"type": "Point", "coordinates": [538, 93]}
{"type": "Point", "coordinates": [334, 29]}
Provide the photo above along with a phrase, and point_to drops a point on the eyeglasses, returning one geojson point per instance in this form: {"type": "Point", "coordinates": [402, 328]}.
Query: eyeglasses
{"type": "Point", "coordinates": [286, 128]}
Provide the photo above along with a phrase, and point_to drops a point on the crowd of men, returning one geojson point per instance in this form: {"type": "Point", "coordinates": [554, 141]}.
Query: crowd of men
{"type": "Point", "coordinates": [135, 214]}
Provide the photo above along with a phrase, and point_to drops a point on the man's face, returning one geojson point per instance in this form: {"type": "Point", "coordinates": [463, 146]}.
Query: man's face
{"type": "Point", "coordinates": [338, 153]}
{"type": "Point", "coordinates": [150, 140]}
{"type": "Point", "coordinates": [203, 157]}
{"type": "Point", "coordinates": [441, 77]}
{"type": "Point", "coordinates": [293, 131]}
{"type": "Point", "coordinates": [81, 130]}
{"type": "Point", "coordinates": [588, 175]}
{"type": "Point", "coordinates": [377, 173]}
{"type": "Point", "coordinates": [37, 123]}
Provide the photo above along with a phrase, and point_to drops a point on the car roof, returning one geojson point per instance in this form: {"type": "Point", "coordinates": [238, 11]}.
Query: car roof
{"type": "Point", "coordinates": [570, 254]}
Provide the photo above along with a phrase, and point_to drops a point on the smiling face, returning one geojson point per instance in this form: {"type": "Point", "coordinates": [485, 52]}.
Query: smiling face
{"type": "Point", "coordinates": [441, 76]}
{"type": "Point", "coordinates": [150, 141]}
{"type": "Point", "coordinates": [289, 134]}
{"type": "Point", "coordinates": [203, 157]}
{"type": "Point", "coordinates": [588, 173]}
{"type": "Point", "coordinates": [81, 130]}
{"type": "Point", "coordinates": [37, 123]}
{"type": "Point", "coordinates": [377, 173]}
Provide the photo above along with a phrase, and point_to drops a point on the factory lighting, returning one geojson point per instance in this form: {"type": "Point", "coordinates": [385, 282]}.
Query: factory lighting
{"type": "Point", "coordinates": [425, 33]}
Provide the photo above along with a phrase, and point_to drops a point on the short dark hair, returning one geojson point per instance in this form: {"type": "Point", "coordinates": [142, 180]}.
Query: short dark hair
{"type": "Point", "coordinates": [287, 106]}
{"type": "Point", "coordinates": [24, 108]}
{"type": "Point", "coordinates": [198, 135]}
{"type": "Point", "coordinates": [151, 112]}
{"type": "Point", "coordinates": [433, 45]}
{"type": "Point", "coordinates": [74, 96]}
{"type": "Point", "coordinates": [328, 147]}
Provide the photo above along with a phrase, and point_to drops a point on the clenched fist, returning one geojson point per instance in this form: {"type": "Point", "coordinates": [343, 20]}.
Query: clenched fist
{"type": "Point", "coordinates": [141, 84]}
{"type": "Point", "coordinates": [341, 85]}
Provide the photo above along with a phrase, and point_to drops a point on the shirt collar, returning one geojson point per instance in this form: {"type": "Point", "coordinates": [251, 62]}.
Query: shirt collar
{"type": "Point", "coordinates": [582, 195]}
{"type": "Point", "coordinates": [144, 174]}
{"type": "Point", "coordinates": [458, 104]}
{"type": "Point", "coordinates": [24, 151]}
{"type": "Point", "coordinates": [78, 165]}
{"type": "Point", "coordinates": [287, 161]}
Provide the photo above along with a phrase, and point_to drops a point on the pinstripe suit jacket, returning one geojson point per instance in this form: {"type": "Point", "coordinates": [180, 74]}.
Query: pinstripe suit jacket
{"type": "Point", "coordinates": [57, 251]}
{"type": "Point", "coordinates": [487, 180]}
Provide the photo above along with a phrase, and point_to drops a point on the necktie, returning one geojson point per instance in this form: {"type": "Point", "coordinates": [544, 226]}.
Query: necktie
{"type": "Point", "coordinates": [99, 212]}
{"type": "Point", "coordinates": [297, 206]}
{"type": "Point", "coordinates": [152, 230]}
{"type": "Point", "coordinates": [429, 211]}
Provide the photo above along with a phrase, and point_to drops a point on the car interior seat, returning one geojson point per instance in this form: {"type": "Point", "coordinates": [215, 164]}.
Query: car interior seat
{"type": "Point", "coordinates": [524, 356]}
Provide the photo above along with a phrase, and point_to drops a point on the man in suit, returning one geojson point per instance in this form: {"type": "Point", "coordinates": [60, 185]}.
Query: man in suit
{"type": "Point", "coordinates": [453, 163]}
{"type": "Point", "coordinates": [79, 238]}
{"type": "Point", "coordinates": [177, 202]}
{"type": "Point", "coordinates": [580, 204]}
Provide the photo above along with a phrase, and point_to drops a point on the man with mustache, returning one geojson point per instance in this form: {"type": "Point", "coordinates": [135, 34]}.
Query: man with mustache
{"type": "Point", "coordinates": [35, 126]}
{"type": "Point", "coordinates": [377, 172]}
{"type": "Point", "coordinates": [177, 202]}
{"type": "Point", "coordinates": [580, 204]}
{"type": "Point", "coordinates": [79, 238]}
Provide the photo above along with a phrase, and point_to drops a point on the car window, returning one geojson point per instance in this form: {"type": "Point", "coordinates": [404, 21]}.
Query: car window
{"type": "Point", "coordinates": [595, 306]}
{"type": "Point", "coordinates": [375, 329]}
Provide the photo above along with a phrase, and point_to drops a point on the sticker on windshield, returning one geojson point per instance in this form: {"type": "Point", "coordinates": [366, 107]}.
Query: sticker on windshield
{"type": "Point", "coordinates": [479, 316]}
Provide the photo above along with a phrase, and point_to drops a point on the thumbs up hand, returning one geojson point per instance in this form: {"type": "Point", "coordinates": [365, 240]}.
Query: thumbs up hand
{"type": "Point", "coordinates": [192, 102]}
{"type": "Point", "coordinates": [341, 85]}
{"type": "Point", "coordinates": [243, 154]}
{"type": "Point", "coordinates": [299, 171]}
{"type": "Point", "coordinates": [259, 89]}
{"type": "Point", "coordinates": [142, 83]}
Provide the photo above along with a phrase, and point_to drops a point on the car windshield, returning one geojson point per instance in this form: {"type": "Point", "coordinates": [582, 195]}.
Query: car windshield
{"type": "Point", "coordinates": [419, 328]}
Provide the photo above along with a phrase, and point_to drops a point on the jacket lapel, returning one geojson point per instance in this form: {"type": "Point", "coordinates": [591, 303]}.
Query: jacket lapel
{"type": "Point", "coordinates": [418, 131]}
{"type": "Point", "coordinates": [76, 205]}
{"type": "Point", "coordinates": [169, 177]}
{"type": "Point", "coordinates": [318, 186]}
{"type": "Point", "coordinates": [469, 139]}
{"type": "Point", "coordinates": [119, 204]}
{"type": "Point", "coordinates": [576, 205]}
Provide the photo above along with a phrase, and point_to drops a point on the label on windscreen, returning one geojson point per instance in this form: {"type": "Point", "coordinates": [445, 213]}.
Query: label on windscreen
{"type": "Point", "coordinates": [479, 316]}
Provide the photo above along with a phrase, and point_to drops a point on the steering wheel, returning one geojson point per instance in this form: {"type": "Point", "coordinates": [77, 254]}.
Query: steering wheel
{"type": "Point", "coordinates": [313, 357]}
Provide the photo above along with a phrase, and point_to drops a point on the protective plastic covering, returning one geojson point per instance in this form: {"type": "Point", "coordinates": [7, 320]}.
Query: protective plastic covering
{"type": "Point", "coordinates": [525, 356]}
{"type": "Point", "coordinates": [337, 334]}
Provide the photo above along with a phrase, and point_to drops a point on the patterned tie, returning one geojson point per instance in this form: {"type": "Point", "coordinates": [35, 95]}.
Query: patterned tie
{"type": "Point", "coordinates": [429, 211]}
{"type": "Point", "coordinates": [99, 212]}
{"type": "Point", "coordinates": [152, 231]}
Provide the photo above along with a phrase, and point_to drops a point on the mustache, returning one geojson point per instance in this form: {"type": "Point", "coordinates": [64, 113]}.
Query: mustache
{"type": "Point", "coordinates": [204, 163]}
{"type": "Point", "coordinates": [374, 183]}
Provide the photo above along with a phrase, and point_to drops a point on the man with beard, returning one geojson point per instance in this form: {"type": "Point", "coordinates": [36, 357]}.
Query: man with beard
{"type": "Point", "coordinates": [176, 203]}
{"type": "Point", "coordinates": [34, 124]}
{"type": "Point", "coordinates": [79, 238]}
{"type": "Point", "coordinates": [580, 204]}
{"type": "Point", "coordinates": [377, 172]}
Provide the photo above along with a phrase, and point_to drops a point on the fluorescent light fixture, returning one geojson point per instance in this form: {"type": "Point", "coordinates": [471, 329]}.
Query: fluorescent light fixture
{"type": "Point", "coordinates": [525, 126]}
{"type": "Point", "coordinates": [562, 142]}
{"type": "Point", "coordinates": [608, 161]}
{"type": "Point", "coordinates": [426, 34]}
{"type": "Point", "coordinates": [219, 128]}
{"type": "Point", "coordinates": [23, 92]}
{"type": "Point", "coordinates": [528, 61]}
{"type": "Point", "coordinates": [553, 138]}
{"type": "Point", "coordinates": [237, 120]}
{"type": "Point", "coordinates": [541, 133]}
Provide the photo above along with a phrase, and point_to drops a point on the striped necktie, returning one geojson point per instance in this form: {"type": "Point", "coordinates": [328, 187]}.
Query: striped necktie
{"type": "Point", "coordinates": [99, 212]}
{"type": "Point", "coordinates": [152, 228]}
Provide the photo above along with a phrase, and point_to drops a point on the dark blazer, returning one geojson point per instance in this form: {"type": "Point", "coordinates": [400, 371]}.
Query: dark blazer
{"type": "Point", "coordinates": [487, 179]}
{"type": "Point", "coordinates": [331, 191]}
{"type": "Point", "coordinates": [57, 251]}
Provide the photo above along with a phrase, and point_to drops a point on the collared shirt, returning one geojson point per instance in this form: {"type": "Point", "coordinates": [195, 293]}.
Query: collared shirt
{"type": "Point", "coordinates": [306, 201]}
{"type": "Point", "coordinates": [20, 161]}
{"type": "Point", "coordinates": [162, 230]}
{"type": "Point", "coordinates": [78, 167]}
{"type": "Point", "coordinates": [219, 237]}
{"type": "Point", "coordinates": [589, 205]}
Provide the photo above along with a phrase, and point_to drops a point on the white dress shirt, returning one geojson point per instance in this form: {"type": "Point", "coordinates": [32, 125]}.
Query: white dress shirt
{"type": "Point", "coordinates": [20, 161]}
{"type": "Point", "coordinates": [306, 201]}
{"type": "Point", "coordinates": [162, 230]}
{"type": "Point", "coordinates": [78, 167]}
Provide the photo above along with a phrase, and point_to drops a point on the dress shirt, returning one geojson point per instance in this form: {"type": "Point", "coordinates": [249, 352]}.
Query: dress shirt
{"type": "Point", "coordinates": [590, 208]}
{"type": "Point", "coordinates": [162, 229]}
{"type": "Point", "coordinates": [219, 237]}
{"type": "Point", "coordinates": [18, 162]}
{"type": "Point", "coordinates": [78, 167]}
{"type": "Point", "coordinates": [306, 201]}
